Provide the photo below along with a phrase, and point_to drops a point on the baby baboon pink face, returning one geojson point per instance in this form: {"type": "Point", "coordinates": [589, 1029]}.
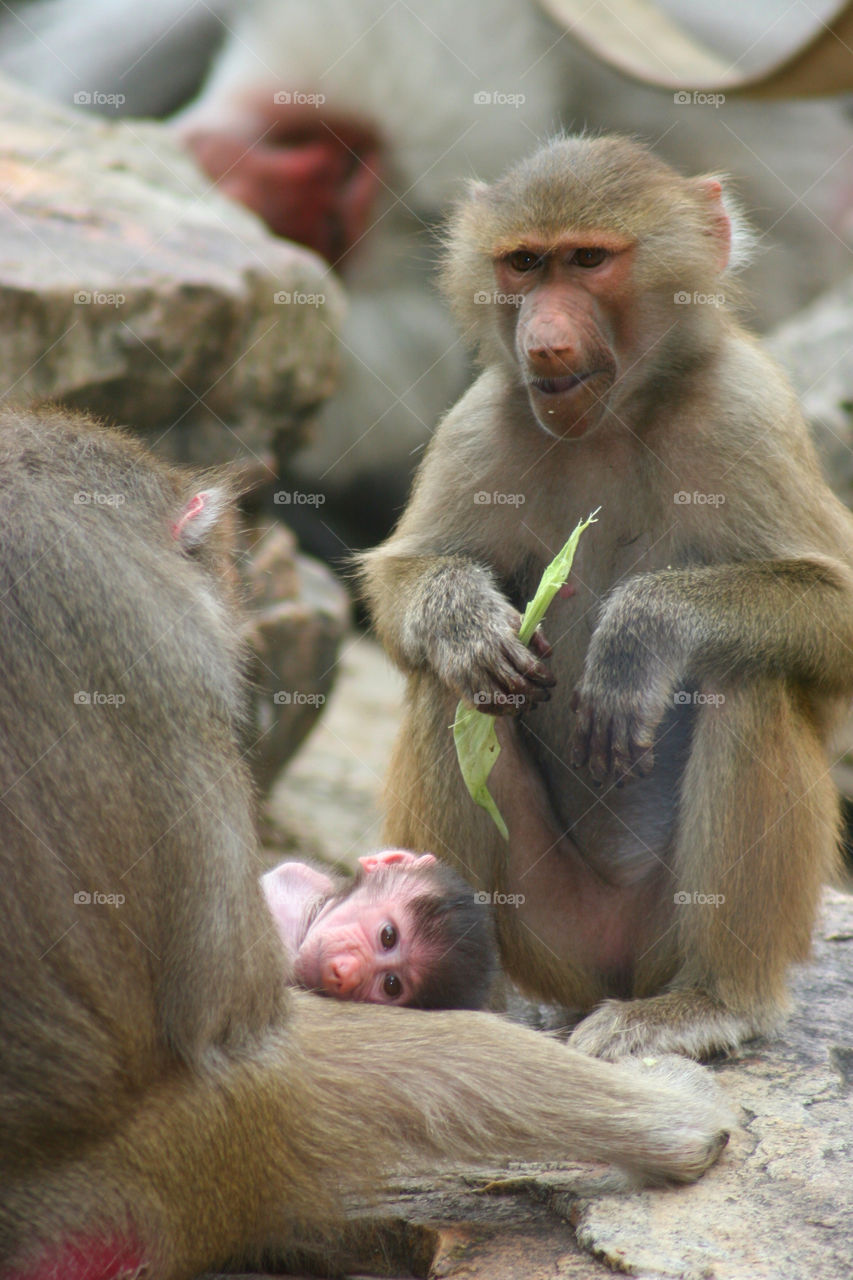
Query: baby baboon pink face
{"type": "Point", "coordinates": [364, 946]}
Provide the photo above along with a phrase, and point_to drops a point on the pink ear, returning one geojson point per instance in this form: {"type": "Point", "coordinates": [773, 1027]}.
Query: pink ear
{"type": "Point", "coordinates": [721, 227]}
{"type": "Point", "coordinates": [198, 517]}
{"type": "Point", "coordinates": [425, 860]}
{"type": "Point", "coordinates": [395, 858]}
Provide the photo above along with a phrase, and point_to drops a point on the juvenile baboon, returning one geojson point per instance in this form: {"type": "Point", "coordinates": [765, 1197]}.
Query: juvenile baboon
{"type": "Point", "coordinates": [168, 1106]}
{"type": "Point", "coordinates": [703, 642]}
{"type": "Point", "coordinates": [405, 930]}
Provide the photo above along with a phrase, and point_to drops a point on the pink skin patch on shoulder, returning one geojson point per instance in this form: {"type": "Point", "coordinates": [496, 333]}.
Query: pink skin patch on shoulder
{"type": "Point", "coordinates": [88, 1258]}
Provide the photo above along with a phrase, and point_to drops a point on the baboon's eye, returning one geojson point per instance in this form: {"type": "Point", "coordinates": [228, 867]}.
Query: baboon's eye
{"type": "Point", "coordinates": [589, 257]}
{"type": "Point", "coordinates": [522, 260]}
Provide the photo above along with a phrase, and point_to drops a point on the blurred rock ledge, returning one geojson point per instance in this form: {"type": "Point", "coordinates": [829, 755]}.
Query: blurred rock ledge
{"type": "Point", "coordinates": [815, 347]}
{"type": "Point", "coordinates": [129, 287]}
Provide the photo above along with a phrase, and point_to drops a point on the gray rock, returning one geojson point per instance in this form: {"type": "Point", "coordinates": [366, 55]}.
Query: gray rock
{"type": "Point", "coordinates": [780, 1203]}
{"type": "Point", "coordinates": [326, 803]}
{"type": "Point", "coordinates": [130, 288]}
{"type": "Point", "coordinates": [814, 347]}
{"type": "Point", "coordinates": [298, 615]}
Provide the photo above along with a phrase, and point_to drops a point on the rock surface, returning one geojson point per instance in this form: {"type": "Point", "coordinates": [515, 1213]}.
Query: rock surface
{"type": "Point", "coordinates": [298, 614]}
{"type": "Point", "coordinates": [326, 805]}
{"type": "Point", "coordinates": [129, 287]}
{"type": "Point", "coordinates": [814, 348]}
{"type": "Point", "coordinates": [781, 1201]}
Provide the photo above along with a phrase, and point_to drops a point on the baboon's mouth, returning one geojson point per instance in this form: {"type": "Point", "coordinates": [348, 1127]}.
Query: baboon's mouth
{"type": "Point", "coordinates": [554, 386]}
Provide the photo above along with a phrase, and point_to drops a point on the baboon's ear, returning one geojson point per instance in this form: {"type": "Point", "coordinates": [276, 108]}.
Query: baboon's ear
{"type": "Point", "coordinates": [396, 858]}
{"type": "Point", "coordinates": [720, 227]}
{"type": "Point", "coordinates": [200, 516]}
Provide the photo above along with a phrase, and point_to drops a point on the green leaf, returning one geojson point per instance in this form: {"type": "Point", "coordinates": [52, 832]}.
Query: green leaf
{"type": "Point", "coordinates": [553, 578]}
{"type": "Point", "coordinates": [477, 746]}
{"type": "Point", "coordinates": [477, 749]}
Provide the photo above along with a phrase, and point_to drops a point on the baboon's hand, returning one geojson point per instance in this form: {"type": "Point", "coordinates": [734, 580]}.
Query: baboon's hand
{"type": "Point", "coordinates": [614, 739]}
{"type": "Point", "coordinates": [490, 668]}
{"type": "Point", "coordinates": [623, 695]}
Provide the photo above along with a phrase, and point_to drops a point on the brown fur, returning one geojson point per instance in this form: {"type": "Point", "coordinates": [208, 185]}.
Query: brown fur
{"type": "Point", "coordinates": [166, 1100]}
{"type": "Point", "coordinates": [747, 600]}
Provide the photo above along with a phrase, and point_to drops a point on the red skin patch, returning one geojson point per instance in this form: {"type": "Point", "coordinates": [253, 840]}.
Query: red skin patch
{"type": "Point", "coordinates": [88, 1258]}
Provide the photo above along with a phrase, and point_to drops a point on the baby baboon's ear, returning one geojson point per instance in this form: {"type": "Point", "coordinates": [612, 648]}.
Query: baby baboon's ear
{"type": "Point", "coordinates": [396, 858]}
